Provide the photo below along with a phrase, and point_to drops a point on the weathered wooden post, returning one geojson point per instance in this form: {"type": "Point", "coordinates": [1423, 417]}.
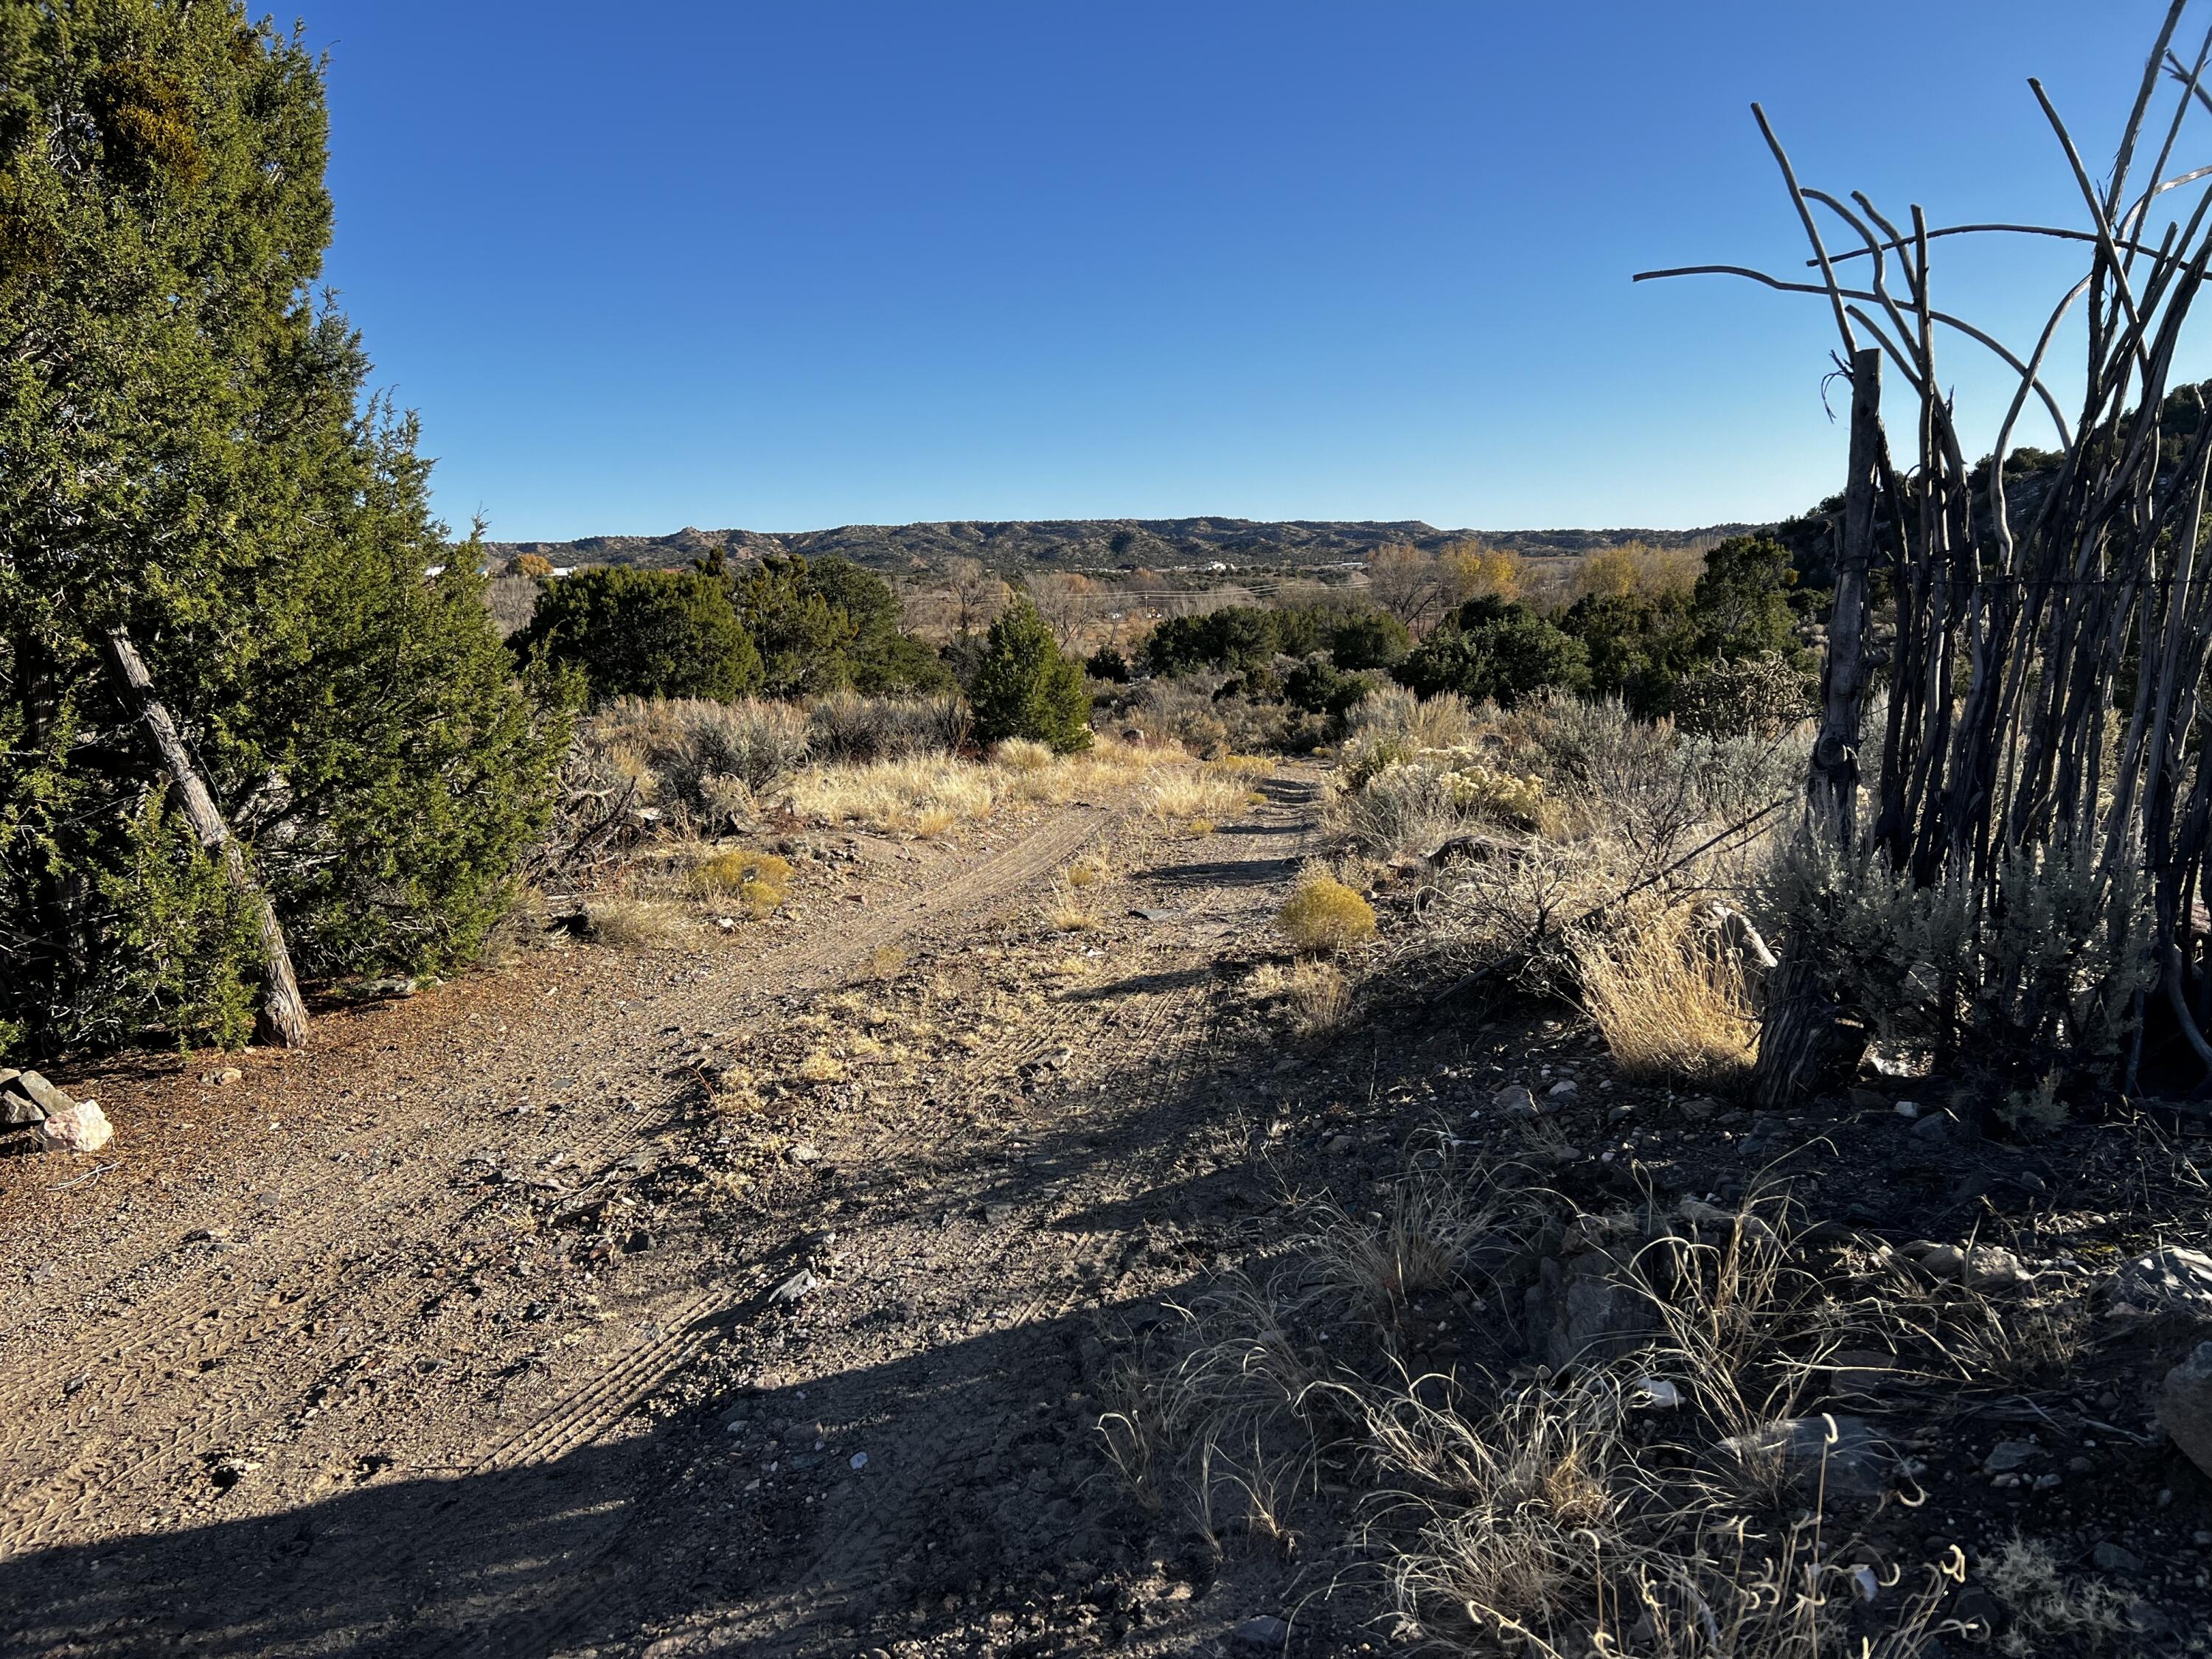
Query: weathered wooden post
{"type": "Point", "coordinates": [1798, 1031]}
{"type": "Point", "coordinates": [284, 1016]}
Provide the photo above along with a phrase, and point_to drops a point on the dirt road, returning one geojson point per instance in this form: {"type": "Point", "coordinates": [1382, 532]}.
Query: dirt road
{"type": "Point", "coordinates": [744, 1300]}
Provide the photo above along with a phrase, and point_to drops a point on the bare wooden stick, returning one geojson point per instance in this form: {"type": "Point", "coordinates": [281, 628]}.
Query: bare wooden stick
{"type": "Point", "coordinates": [1831, 801]}
{"type": "Point", "coordinates": [283, 1015]}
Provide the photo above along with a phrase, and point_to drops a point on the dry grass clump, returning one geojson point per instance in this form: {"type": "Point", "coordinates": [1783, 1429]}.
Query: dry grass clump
{"type": "Point", "coordinates": [1323, 916]}
{"type": "Point", "coordinates": [1064, 913]}
{"type": "Point", "coordinates": [1320, 998]}
{"type": "Point", "coordinates": [2045, 1605]}
{"type": "Point", "coordinates": [880, 966]}
{"type": "Point", "coordinates": [1092, 871]}
{"type": "Point", "coordinates": [1315, 993]}
{"type": "Point", "coordinates": [629, 924]}
{"type": "Point", "coordinates": [922, 795]}
{"type": "Point", "coordinates": [1435, 1222]}
{"type": "Point", "coordinates": [1191, 793]}
{"type": "Point", "coordinates": [1023, 755]}
{"type": "Point", "coordinates": [759, 881]}
{"type": "Point", "coordinates": [1555, 1515]}
{"type": "Point", "coordinates": [1670, 1004]}
{"type": "Point", "coordinates": [847, 728]}
{"type": "Point", "coordinates": [820, 1066]}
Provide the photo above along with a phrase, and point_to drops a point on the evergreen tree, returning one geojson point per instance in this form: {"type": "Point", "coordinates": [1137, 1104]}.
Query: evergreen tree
{"type": "Point", "coordinates": [1024, 688]}
{"type": "Point", "coordinates": [801, 635]}
{"type": "Point", "coordinates": [1498, 650]}
{"type": "Point", "coordinates": [1746, 601]}
{"type": "Point", "coordinates": [880, 658]}
{"type": "Point", "coordinates": [644, 633]}
{"type": "Point", "coordinates": [190, 459]}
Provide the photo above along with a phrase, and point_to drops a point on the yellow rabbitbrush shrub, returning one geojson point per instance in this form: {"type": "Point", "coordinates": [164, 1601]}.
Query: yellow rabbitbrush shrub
{"type": "Point", "coordinates": [1324, 916]}
{"type": "Point", "coordinates": [758, 881]}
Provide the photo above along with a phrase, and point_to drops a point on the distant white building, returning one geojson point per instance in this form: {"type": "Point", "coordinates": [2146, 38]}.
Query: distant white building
{"type": "Point", "coordinates": [560, 570]}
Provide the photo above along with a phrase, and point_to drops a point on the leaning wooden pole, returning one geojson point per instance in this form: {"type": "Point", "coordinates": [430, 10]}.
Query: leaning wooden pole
{"type": "Point", "coordinates": [1797, 1030]}
{"type": "Point", "coordinates": [284, 1016]}
{"type": "Point", "coordinates": [1832, 785]}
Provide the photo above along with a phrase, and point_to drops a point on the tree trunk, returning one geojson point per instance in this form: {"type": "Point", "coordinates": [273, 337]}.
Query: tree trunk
{"type": "Point", "coordinates": [284, 1016]}
{"type": "Point", "coordinates": [1798, 1031]}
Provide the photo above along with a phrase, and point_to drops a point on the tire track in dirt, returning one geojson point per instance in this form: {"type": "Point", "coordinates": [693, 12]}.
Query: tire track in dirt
{"type": "Point", "coordinates": [52, 1501]}
{"type": "Point", "coordinates": [1161, 1046]}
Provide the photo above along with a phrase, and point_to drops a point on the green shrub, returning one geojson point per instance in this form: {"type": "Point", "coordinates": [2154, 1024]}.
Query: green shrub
{"type": "Point", "coordinates": [1108, 665]}
{"type": "Point", "coordinates": [645, 634]}
{"type": "Point", "coordinates": [1024, 688]}
{"type": "Point", "coordinates": [1496, 651]}
{"type": "Point", "coordinates": [827, 625]}
{"type": "Point", "coordinates": [1370, 639]}
{"type": "Point", "coordinates": [1320, 689]}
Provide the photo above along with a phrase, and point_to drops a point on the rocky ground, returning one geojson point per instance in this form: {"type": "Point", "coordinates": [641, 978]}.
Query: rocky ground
{"type": "Point", "coordinates": [742, 1297]}
{"type": "Point", "coordinates": [766, 1297]}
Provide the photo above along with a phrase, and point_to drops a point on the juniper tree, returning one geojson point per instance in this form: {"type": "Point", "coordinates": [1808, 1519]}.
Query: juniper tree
{"type": "Point", "coordinates": [189, 457]}
{"type": "Point", "coordinates": [1024, 688]}
{"type": "Point", "coordinates": [645, 634]}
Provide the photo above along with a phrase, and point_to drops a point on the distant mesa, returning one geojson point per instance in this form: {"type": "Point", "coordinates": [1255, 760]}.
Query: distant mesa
{"type": "Point", "coordinates": [1094, 544]}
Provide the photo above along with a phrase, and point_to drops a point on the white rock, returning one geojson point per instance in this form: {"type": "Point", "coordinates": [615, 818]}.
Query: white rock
{"type": "Point", "coordinates": [800, 1285]}
{"type": "Point", "coordinates": [83, 1128]}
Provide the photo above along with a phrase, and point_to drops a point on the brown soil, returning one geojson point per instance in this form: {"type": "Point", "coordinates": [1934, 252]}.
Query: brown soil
{"type": "Point", "coordinates": [764, 1297]}
{"type": "Point", "coordinates": [461, 1333]}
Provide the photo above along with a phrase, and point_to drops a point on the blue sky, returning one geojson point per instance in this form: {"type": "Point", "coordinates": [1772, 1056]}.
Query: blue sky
{"type": "Point", "coordinates": [817, 263]}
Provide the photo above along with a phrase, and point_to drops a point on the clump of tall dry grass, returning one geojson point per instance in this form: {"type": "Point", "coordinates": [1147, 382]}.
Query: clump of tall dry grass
{"type": "Point", "coordinates": [1315, 992]}
{"type": "Point", "coordinates": [1533, 1513]}
{"type": "Point", "coordinates": [1192, 792]}
{"type": "Point", "coordinates": [1670, 1000]}
{"type": "Point", "coordinates": [1023, 755]}
{"type": "Point", "coordinates": [631, 924]}
{"type": "Point", "coordinates": [923, 795]}
{"type": "Point", "coordinates": [758, 881]}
